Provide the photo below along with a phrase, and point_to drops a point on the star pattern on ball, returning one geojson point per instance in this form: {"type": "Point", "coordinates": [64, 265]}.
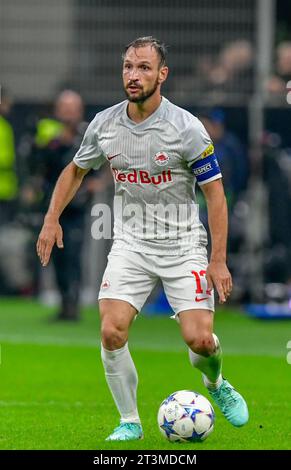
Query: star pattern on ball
{"type": "Point", "coordinates": [167, 427]}
{"type": "Point", "coordinates": [195, 437]}
{"type": "Point", "coordinates": [185, 417]}
{"type": "Point", "coordinates": [192, 412]}
{"type": "Point", "coordinates": [170, 398]}
{"type": "Point", "coordinates": [211, 415]}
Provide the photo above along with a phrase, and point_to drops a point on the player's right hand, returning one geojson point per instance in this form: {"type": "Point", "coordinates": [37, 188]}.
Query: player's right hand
{"type": "Point", "coordinates": [50, 234]}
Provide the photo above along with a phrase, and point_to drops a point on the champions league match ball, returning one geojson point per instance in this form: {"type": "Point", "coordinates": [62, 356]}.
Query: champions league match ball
{"type": "Point", "coordinates": [186, 416]}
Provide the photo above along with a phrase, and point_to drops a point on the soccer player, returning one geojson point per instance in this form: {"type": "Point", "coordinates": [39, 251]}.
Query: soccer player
{"type": "Point", "coordinates": [157, 152]}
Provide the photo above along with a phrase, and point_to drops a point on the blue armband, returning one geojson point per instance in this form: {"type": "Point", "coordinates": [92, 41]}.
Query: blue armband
{"type": "Point", "coordinates": [206, 169]}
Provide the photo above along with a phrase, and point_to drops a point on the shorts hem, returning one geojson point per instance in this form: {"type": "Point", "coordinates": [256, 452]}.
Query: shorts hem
{"type": "Point", "coordinates": [191, 307]}
{"type": "Point", "coordinates": [121, 297]}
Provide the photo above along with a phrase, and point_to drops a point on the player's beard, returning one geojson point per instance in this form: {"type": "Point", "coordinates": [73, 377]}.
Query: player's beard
{"type": "Point", "coordinates": [143, 96]}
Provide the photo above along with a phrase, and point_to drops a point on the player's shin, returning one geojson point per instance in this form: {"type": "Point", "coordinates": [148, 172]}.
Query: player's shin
{"type": "Point", "coordinates": [210, 366]}
{"type": "Point", "coordinates": [122, 380]}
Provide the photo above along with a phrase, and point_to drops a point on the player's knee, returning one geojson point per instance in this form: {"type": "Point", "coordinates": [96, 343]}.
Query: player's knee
{"type": "Point", "coordinates": [112, 337]}
{"type": "Point", "coordinates": [202, 344]}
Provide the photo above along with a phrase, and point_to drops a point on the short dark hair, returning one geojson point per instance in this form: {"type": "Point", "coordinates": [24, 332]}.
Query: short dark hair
{"type": "Point", "coordinates": [159, 47]}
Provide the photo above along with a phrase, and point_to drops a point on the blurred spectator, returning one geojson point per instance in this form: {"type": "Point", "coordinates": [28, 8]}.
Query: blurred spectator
{"type": "Point", "coordinates": [56, 142]}
{"type": "Point", "coordinates": [231, 154]}
{"type": "Point", "coordinates": [232, 75]}
{"type": "Point", "coordinates": [277, 176]}
{"type": "Point", "coordinates": [233, 161]}
{"type": "Point", "coordinates": [12, 270]}
{"type": "Point", "coordinates": [195, 83]}
{"type": "Point", "coordinates": [8, 177]}
{"type": "Point", "coordinates": [227, 78]}
{"type": "Point", "coordinates": [277, 84]}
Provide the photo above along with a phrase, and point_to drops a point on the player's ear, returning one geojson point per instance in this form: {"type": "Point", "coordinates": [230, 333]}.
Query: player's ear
{"type": "Point", "coordinates": [163, 74]}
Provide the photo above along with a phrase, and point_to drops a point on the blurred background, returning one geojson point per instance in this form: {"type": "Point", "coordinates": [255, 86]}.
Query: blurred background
{"type": "Point", "coordinates": [60, 63]}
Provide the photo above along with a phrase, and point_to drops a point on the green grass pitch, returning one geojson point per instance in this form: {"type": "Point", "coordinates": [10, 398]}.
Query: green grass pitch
{"type": "Point", "coordinates": [53, 393]}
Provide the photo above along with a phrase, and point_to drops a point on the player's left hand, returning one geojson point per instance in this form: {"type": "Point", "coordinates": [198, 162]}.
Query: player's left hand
{"type": "Point", "coordinates": [218, 276]}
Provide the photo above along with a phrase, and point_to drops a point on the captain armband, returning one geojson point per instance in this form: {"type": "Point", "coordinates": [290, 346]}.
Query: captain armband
{"type": "Point", "coordinates": [206, 169]}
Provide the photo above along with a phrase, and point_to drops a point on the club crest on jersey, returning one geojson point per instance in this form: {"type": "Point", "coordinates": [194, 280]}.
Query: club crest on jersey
{"type": "Point", "coordinates": [161, 158]}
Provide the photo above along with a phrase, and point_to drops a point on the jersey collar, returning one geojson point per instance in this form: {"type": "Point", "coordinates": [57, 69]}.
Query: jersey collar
{"type": "Point", "coordinates": [150, 119]}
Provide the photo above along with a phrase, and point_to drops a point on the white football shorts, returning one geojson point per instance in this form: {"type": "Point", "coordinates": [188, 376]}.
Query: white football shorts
{"type": "Point", "coordinates": [131, 276]}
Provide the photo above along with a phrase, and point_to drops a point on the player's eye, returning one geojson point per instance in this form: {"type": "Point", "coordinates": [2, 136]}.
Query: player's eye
{"type": "Point", "coordinates": [145, 67]}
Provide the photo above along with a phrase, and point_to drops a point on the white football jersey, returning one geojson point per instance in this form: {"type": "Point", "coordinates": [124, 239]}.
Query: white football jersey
{"type": "Point", "coordinates": [155, 209]}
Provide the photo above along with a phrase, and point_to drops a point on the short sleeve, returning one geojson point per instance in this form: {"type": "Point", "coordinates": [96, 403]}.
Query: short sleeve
{"type": "Point", "coordinates": [90, 154]}
{"type": "Point", "coordinates": [195, 141]}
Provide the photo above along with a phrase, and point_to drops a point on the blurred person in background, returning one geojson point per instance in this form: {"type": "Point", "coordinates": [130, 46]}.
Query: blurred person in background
{"type": "Point", "coordinates": [9, 239]}
{"type": "Point", "coordinates": [231, 76]}
{"type": "Point", "coordinates": [231, 154]}
{"type": "Point", "coordinates": [277, 177]}
{"type": "Point", "coordinates": [56, 142]}
{"type": "Point", "coordinates": [277, 84]}
{"type": "Point", "coordinates": [234, 162]}
{"type": "Point", "coordinates": [219, 79]}
{"type": "Point", "coordinates": [8, 175]}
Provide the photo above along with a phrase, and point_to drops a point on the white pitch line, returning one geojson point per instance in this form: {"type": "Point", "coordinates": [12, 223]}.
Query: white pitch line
{"type": "Point", "coordinates": [24, 404]}
{"type": "Point", "coordinates": [137, 345]}
{"type": "Point", "coordinates": [48, 340]}
{"type": "Point", "coordinates": [89, 343]}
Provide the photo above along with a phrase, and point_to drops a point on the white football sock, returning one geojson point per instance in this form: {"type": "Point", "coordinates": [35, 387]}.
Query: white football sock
{"type": "Point", "coordinates": [210, 366]}
{"type": "Point", "coordinates": [121, 376]}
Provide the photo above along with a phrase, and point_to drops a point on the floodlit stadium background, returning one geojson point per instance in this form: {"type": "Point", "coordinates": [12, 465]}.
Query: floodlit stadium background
{"type": "Point", "coordinates": [230, 63]}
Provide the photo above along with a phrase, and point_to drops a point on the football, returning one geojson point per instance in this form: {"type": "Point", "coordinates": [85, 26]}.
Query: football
{"type": "Point", "coordinates": [186, 416]}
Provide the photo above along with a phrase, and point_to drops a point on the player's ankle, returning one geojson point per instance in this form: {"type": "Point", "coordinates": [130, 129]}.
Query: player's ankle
{"type": "Point", "coordinates": [130, 421]}
{"type": "Point", "coordinates": [212, 385]}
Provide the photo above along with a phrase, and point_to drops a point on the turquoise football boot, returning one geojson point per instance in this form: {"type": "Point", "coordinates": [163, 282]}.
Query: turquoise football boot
{"type": "Point", "coordinates": [231, 404]}
{"type": "Point", "coordinates": [126, 432]}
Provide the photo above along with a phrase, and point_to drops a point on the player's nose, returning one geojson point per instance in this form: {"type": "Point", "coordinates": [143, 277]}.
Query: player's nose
{"type": "Point", "coordinates": [133, 74]}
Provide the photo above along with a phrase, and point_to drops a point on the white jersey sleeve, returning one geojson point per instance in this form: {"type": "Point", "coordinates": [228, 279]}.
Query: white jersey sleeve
{"type": "Point", "coordinates": [90, 154]}
{"type": "Point", "coordinates": [199, 152]}
{"type": "Point", "coordinates": [195, 140]}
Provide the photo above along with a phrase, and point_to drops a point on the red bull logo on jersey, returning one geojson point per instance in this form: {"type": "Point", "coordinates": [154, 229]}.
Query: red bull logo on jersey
{"type": "Point", "coordinates": [142, 177]}
{"type": "Point", "coordinates": [161, 158]}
